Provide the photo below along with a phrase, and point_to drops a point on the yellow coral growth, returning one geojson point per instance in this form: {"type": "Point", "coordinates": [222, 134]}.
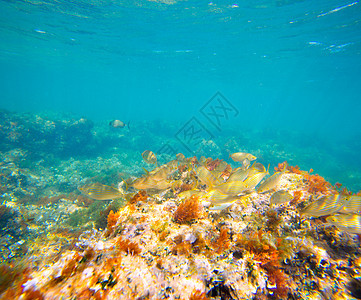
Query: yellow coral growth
{"type": "Point", "coordinates": [188, 211]}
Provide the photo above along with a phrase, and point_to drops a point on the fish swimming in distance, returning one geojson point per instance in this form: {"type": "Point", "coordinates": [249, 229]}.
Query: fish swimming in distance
{"type": "Point", "coordinates": [118, 124]}
{"type": "Point", "coordinates": [241, 156]}
{"type": "Point", "coordinates": [100, 191]}
{"type": "Point", "coordinates": [149, 157]}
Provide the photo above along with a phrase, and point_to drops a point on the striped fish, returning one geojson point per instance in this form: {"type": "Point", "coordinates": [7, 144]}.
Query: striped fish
{"type": "Point", "coordinates": [281, 196]}
{"type": "Point", "coordinates": [149, 157]}
{"type": "Point", "coordinates": [100, 191]}
{"type": "Point", "coordinates": [346, 222]}
{"type": "Point", "coordinates": [352, 204]}
{"type": "Point", "coordinates": [206, 177]}
{"type": "Point", "coordinates": [326, 205]}
{"type": "Point", "coordinates": [239, 175]}
{"type": "Point", "coordinates": [270, 183]}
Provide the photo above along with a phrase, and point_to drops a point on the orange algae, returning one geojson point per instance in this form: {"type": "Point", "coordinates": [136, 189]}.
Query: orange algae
{"type": "Point", "coordinates": [212, 164]}
{"type": "Point", "coordinates": [296, 197]}
{"type": "Point", "coordinates": [317, 184]}
{"type": "Point", "coordinates": [281, 166]}
{"type": "Point", "coordinates": [33, 295]}
{"type": "Point", "coordinates": [139, 197]}
{"type": "Point", "coordinates": [111, 221]}
{"type": "Point", "coordinates": [198, 295]}
{"type": "Point", "coordinates": [269, 256]}
{"type": "Point", "coordinates": [128, 246]}
{"type": "Point", "coordinates": [188, 211]}
{"type": "Point", "coordinates": [222, 243]}
{"type": "Point", "coordinates": [70, 267]}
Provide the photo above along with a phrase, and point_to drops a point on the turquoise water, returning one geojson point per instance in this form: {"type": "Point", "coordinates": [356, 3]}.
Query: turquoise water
{"type": "Point", "coordinates": [289, 69]}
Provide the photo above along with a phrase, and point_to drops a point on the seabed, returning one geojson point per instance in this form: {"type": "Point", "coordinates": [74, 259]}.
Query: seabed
{"type": "Point", "coordinates": [165, 243]}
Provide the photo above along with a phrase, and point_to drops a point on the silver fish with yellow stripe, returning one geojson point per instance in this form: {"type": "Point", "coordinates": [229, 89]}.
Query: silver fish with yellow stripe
{"type": "Point", "coordinates": [206, 176]}
{"type": "Point", "coordinates": [270, 183]}
{"type": "Point", "coordinates": [241, 156]}
{"type": "Point", "coordinates": [351, 204]}
{"type": "Point", "coordinates": [323, 206]}
{"type": "Point", "coordinates": [100, 191]}
{"type": "Point", "coordinates": [346, 222]}
{"type": "Point", "coordinates": [149, 157]}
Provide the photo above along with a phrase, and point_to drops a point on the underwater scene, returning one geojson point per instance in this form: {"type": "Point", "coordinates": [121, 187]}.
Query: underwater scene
{"type": "Point", "coordinates": [173, 149]}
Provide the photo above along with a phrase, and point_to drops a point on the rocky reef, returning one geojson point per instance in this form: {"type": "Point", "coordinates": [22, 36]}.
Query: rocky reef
{"type": "Point", "coordinates": [164, 240]}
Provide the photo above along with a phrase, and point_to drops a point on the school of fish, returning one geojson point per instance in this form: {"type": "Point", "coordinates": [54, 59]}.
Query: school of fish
{"type": "Point", "coordinates": [219, 186]}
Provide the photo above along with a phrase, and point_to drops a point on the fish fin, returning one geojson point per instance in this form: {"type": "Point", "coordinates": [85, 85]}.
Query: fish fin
{"type": "Point", "coordinates": [145, 170]}
{"type": "Point", "coordinates": [268, 169]}
{"type": "Point", "coordinates": [128, 125]}
{"type": "Point", "coordinates": [125, 183]}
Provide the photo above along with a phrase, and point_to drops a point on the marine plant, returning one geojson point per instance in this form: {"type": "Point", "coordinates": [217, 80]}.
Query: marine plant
{"type": "Point", "coordinates": [128, 246]}
{"type": "Point", "coordinates": [188, 210]}
{"type": "Point", "coordinates": [269, 251]}
{"type": "Point", "coordinates": [7, 275]}
{"type": "Point", "coordinates": [112, 220]}
{"type": "Point", "coordinates": [317, 184]}
{"type": "Point", "coordinates": [222, 243]}
{"type": "Point", "coordinates": [198, 295]}
{"type": "Point", "coordinates": [141, 196]}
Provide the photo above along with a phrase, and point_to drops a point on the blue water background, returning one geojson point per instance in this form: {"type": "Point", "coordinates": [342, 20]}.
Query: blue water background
{"type": "Point", "coordinates": [289, 67]}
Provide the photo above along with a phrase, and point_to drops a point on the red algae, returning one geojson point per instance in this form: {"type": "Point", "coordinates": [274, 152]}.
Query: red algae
{"type": "Point", "coordinates": [269, 256]}
{"type": "Point", "coordinates": [188, 211]}
{"type": "Point", "coordinates": [127, 246]}
{"type": "Point", "coordinates": [222, 243]}
{"type": "Point", "coordinates": [198, 295]}
{"type": "Point", "coordinates": [317, 184]}
{"type": "Point", "coordinates": [111, 222]}
{"type": "Point", "coordinates": [139, 197]}
{"type": "Point", "coordinates": [212, 164]}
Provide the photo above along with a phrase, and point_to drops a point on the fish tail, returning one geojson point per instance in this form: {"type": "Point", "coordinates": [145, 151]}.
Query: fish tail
{"type": "Point", "coordinates": [128, 125]}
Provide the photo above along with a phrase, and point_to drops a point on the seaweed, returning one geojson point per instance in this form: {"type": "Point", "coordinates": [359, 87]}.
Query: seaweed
{"type": "Point", "coordinates": [182, 248]}
{"type": "Point", "coordinates": [198, 295]}
{"type": "Point", "coordinates": [7, 276]}
{"type": "Point", "coordinates": [222, 243]}
{"type": "Point", "coordinates": [70, 268]}
{"type": "Point", "coordinates": [269, 253]}
{"type": "Point", "coordinates": [128, 246]}
{"type": "Point", "coordinates": [188, 211]}
{"type": "Point", "coordinates": [296, 197]}
{"type": "Point", "coordinates": [140, 196]}
{"type": "Point", "coordinates": [273, 221]}
{"type": "Point", "coordinates": [112, 220]}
